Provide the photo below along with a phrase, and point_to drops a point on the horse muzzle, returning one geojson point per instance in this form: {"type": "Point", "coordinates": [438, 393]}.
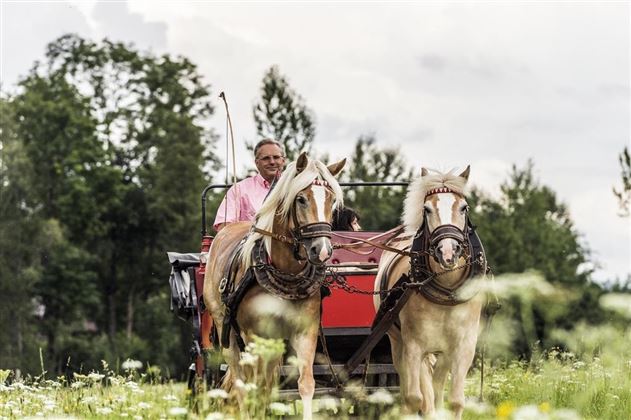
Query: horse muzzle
{"type": "Point", "coordinates": [315, 238]}
{"type": "Point", "coordinates": [446, 245]}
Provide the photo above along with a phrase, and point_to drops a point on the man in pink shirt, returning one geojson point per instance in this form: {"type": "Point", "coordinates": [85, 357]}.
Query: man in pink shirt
{"type": "Point", "coordinates": [245, 198]}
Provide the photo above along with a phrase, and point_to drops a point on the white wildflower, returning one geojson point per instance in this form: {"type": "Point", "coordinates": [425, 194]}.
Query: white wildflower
{"type": "Point", "coordinates": [280, 409]}
{"type": "Point", "coordinates": [248, 359]}
{"type": "Point", "coordinates": [477, 407]}
{"type": "Point", "coordinates": [529, 412]}
{"type": "Point", "coordinates": [178, 411]}
{"type": "Point", "coordinates": [217, 393]}
{"type": "Point", "coordinates": [215, 416]}
{"type": "Point", "coordinates": [115, 380]}
{"type": "Point", "coordinates": [381, 396]}
{"type": "Point", "coordinates": [95, 377]}
{"type": "Point", "coordinates": [88, 400]}
{"type": "Point", "coordinates": [144, 405]}
{"type": "Point", "coordinates": [49, 405]}
{"type": "Point", "coordinates": [137, 417]}
{"type": "Point", "coordinates": [246, 387]}
{"type": "Point", "coordinates": [131, 364]}
{"type": "Point", "coordinates": [565, 414]}
{"type": "Point", "coordinates": [104, 410]}
{"type": "Point", "coordinates": [329, 404]}
{"type": "Point", "coordinates": [77, 384]}
{"type": "Point", "coordinates": [442, 414]}
{"type": "Point", "coordinates": [169, 397]}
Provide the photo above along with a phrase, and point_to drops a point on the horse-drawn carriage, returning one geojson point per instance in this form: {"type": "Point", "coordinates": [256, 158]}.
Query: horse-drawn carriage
{"type": "Point", "coordinates": [347, 313]}
{"type": "Point", "coordinates": [427, 284]}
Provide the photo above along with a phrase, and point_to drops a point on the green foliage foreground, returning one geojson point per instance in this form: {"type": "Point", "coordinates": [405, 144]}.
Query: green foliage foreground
{"type": "Point", "coordinates": [554, 385]}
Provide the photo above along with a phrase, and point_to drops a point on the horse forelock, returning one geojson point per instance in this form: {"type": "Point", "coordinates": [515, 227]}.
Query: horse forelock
{"type": "Point", "coordinates": [418, 189]}
{"type": "Point", "coordinates": [280, 200]}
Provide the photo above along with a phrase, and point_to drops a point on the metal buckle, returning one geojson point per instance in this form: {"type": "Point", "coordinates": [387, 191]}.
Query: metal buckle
{"type": "Point", "coordinates": [222, 284]}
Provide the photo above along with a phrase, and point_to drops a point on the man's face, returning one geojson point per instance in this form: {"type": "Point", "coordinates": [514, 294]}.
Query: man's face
{"type": "Point", "coordinates": [269, 160]}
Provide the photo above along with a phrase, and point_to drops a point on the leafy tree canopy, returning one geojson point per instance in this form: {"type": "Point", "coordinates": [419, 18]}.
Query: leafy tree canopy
{"type": "Point", "coordinates": [281, 114]}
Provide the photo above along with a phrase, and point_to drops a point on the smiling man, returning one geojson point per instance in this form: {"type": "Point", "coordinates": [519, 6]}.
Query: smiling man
{"type": "Point", "coordinates": [245, 198]}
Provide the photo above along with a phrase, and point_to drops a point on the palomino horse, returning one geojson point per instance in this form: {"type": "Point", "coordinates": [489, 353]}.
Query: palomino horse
{"type": "Point", "coordinates": [438, 326]}
{"type": "Point", "coordinates": [285, 250]}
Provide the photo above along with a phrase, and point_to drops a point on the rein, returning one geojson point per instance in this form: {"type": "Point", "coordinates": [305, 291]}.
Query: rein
{"type": "Point", "coordinates": [392, 236]}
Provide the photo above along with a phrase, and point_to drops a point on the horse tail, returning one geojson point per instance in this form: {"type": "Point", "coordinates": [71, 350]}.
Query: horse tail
{"type": "Point", "coordinates": [427, 387]}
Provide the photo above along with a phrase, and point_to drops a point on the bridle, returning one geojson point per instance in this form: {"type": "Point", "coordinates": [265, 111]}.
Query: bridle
{"type": "Point", "coordinates": [299, 234]}
{"type": "Point", "coordinates": [425, 245]}
{"type": "Point", "coordinates": [446, 231]}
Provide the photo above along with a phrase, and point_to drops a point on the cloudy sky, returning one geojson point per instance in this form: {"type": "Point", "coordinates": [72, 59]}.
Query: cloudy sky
{"type": "Point", "coordinates": [489, 84]}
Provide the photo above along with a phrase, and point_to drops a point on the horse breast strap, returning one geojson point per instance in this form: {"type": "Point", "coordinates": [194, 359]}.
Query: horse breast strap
{"type": "Point", "coordinates": [285, 285]}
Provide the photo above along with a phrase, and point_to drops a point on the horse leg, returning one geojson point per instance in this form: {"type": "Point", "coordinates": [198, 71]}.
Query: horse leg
{"type": "Point", "coordinates": [427, 389]}
{"type": "Point", "coordinates": [305, 347]}
{"type": "Point", "coordinates": [441, 368]}
{"type": "Point", "coordinates": [410, 377]}
{"type": "Point", "coordinates": [458, 375]}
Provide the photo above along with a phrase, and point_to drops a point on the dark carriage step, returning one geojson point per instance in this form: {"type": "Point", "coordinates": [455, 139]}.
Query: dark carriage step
{"type": "Point", "coordinates": [322, 370]}
{"type": "Point", "coordinates": [292, 394]}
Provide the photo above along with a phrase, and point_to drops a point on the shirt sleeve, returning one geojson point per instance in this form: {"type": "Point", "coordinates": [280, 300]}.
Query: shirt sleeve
{"type": "Point", "coordinates": [228, 211]}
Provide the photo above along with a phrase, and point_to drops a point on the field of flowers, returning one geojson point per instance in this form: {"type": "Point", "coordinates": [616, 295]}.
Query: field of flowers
{"type": "Point", "coordinates": [555, 385]}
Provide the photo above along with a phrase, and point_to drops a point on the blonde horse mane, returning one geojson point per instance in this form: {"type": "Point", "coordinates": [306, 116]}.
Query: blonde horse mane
{"type": "Point", "coordinates": [415, 197]}
{"type": "Point", "coordinates": [280, 201]}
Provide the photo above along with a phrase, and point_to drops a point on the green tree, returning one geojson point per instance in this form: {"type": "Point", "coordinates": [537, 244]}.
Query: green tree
{"type": "Point", "coordinates": [624, 194]}
{"type": "Point", "coordinates": [119, 145]}
{"type": "Point", "coordinates": [282, 115]}
{"type": "Point", "coordinates": [20, 268]}
{"type": "Point", "coordinates": [380, 208]}
{"type": "Point", "coordinates": [527, 229]}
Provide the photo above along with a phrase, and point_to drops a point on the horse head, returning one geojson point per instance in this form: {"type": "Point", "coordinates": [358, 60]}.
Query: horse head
{"type": "Point", "coordinates": [311, 213]}
{"type": "Point", "coordinates": [297, 214]}
{"type": "Point", "coordinates": [440, 211]}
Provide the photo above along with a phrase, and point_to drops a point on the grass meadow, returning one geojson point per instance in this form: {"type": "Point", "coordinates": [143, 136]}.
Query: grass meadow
{"type": "Point", "coordinates": [589, 379]}
{"type": "Point", "coordinates": [555, 385]}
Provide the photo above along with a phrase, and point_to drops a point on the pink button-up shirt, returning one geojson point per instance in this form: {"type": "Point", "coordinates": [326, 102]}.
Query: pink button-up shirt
{"type": "Point", "coordinates": [242, 201]}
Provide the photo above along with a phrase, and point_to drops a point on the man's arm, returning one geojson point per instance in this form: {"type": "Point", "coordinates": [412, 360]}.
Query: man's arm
{"type": "Point", "coordinates": [228, 211]}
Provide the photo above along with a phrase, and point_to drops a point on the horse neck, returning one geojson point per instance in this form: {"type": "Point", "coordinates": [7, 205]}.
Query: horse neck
{"type": "Point", "coordinates": [281, 253]}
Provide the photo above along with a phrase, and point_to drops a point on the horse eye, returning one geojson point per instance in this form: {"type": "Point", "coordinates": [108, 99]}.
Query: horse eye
{"type": "Point", "coordinates": [427, 209]}
{"type": "Point", "coordinates": [464, 208]}
{"type": "Point", "coordinates": [301, 199]}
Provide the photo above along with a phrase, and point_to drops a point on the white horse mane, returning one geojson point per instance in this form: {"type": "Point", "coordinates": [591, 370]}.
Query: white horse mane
{"type": "Point", "coordinates": [415, 197]}
{"type": "Point", "coordinates": [280, 200]}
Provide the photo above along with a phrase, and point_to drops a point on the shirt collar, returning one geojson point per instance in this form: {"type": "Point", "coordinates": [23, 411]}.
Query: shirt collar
{"type": "Point", "coordinates": [262, 181]}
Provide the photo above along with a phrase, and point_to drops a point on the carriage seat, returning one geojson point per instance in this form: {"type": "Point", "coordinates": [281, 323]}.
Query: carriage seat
{"type": "Point", "coordinates": [182, 282]}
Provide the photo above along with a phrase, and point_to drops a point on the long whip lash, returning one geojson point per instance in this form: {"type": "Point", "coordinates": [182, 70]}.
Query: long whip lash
{"type": "Point", "coordinates": [230, 136]}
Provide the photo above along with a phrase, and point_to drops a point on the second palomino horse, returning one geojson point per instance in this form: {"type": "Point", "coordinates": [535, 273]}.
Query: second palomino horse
{"type": "Point", "coordinates": [264, 278]}
{"type": "Point", "coordinates": [437, 328]}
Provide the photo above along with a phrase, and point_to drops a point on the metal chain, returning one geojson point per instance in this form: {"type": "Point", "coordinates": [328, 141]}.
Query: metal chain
{"type": "Point", "coordinates": [337, 281]}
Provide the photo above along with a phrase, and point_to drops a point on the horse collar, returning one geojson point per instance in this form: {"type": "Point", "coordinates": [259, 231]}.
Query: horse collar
{"type": "Point", "coordinates": [285, 285]}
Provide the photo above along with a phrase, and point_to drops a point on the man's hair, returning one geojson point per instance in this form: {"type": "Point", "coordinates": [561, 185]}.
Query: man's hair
{"type": "Point", "coordinates": [268, 141]}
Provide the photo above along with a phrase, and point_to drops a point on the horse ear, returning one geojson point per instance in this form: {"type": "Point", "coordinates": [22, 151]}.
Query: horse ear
{"type": "Point", "coordinates": [336, 168]}
{"type": "Point", "coordinates": [302, 162]}
{"type": "Point", "coordinates": [465, 173]}
{"type": "Point", "coordinates": [424, 172]}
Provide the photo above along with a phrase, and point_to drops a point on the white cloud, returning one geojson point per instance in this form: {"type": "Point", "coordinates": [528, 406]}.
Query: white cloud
{"type": "Point", "coordinates": [489, 84]}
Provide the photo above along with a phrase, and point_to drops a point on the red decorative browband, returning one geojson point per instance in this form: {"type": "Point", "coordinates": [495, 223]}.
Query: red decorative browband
{"type": "Point", "coordinates": [440, 190]}
{"type": "Point", "coordinates": [320, 182]}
